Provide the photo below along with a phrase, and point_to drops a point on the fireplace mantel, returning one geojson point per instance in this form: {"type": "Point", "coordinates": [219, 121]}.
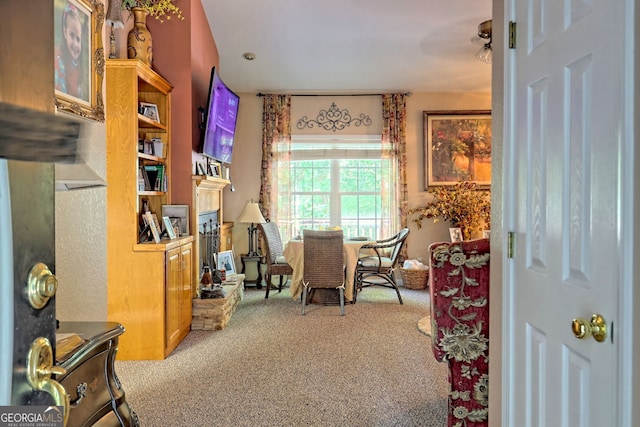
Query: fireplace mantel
{"type": "Point", "coordinates": [206, 197]}
{"type": "Point", "coordinates": [209, 182]}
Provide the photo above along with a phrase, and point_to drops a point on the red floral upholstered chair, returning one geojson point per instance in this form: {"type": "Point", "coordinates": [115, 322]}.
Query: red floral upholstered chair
{"type": "Point", "coordinates": [459, 288]}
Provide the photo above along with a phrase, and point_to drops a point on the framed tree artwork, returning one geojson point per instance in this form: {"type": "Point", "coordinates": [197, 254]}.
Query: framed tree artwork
{"type": "Point", "coordinates": [457, 147]}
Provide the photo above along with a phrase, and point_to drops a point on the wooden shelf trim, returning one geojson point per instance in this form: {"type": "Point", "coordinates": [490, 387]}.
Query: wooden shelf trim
{"type": "Point", "coordinates": [163, 246]}
{"type": "Point", "coordinates": [210, 182]}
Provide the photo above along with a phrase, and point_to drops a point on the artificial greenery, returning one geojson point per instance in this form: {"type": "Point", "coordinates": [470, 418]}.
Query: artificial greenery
{"type": "Point", "coordinates": [159, 9]}
{"type": "Point", "coordinates": [463, 205]}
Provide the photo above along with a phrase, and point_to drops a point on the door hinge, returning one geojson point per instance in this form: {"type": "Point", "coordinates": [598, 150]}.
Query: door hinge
{"type": "Point", "coordinates": [511, 238]}
{"type": "Point", "coordinates": [512, 35]}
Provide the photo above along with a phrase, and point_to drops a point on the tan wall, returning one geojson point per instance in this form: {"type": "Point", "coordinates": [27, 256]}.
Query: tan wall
{"type": "Point", "coordinates": [81, 219]}
{"type": "Point", "coordinates": [245, 170]}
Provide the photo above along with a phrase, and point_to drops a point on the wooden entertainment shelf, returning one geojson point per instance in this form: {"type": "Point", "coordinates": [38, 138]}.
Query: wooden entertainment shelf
{"type": "Point", "coordinates": [149, 284]}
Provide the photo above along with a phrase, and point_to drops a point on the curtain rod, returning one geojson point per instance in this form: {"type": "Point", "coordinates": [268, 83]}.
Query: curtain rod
{"type": "Point", "coordinates": [260, 94]}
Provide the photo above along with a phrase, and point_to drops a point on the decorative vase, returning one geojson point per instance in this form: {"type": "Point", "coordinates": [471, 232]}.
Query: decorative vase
{"type": "Point", "coordinates": [139, 39]}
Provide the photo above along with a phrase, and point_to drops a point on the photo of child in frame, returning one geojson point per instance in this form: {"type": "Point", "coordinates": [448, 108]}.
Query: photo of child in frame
{"type": "Point", "coordinates": [72, 66]}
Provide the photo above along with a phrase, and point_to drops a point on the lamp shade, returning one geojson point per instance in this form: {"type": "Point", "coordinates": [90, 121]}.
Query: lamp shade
{"type": "Point", "coordinates": [114, 14]}
{"type": "Point", "coordinates": [251, 214]}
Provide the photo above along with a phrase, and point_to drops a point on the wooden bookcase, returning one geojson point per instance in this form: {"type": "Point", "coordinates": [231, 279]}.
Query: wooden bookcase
{"type": "Point", "coordinates": [149, 284]}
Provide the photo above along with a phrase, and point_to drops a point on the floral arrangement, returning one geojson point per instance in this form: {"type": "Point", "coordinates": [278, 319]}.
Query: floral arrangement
{"type": "Point", "coordinates": [463, 205]}
{"type": "Point", "coordinates": [159, 9]}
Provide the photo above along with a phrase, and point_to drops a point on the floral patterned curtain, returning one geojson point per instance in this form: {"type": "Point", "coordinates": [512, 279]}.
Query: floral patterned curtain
{"type": "Point", "coordinates": [394, 131]}
{"type": "Point", "coordinates": [275, 188]}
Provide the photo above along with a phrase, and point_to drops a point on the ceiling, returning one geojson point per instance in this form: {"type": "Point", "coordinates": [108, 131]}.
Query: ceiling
{"type": "Point", "coordinates": [350, 46]}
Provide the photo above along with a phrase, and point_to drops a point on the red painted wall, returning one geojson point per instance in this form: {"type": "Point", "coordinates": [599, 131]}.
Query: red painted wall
{"type": "Point", "coordinates": [183, 53]}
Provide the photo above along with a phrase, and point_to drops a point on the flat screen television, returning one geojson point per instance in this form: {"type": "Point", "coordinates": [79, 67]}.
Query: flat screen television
{"type": "Point", "coordinates": [220, 120]}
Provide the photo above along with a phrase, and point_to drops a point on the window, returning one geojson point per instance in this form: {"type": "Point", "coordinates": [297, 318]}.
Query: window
{"type": "Point", "coordinates": [342, 181]}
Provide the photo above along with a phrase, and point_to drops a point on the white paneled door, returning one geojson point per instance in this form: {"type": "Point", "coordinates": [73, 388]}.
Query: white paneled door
{"type": "Point", "coordinates": [566, 137]}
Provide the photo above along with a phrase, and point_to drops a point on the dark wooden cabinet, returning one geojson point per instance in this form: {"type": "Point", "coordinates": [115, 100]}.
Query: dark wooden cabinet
{"type": "Point", "coordinates": [97, 397]}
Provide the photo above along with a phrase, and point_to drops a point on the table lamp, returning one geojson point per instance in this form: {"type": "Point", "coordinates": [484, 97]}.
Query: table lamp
{"type": "Point", "coordinates": [251, 214]}
{"type": "Point", "coordinates": [114, 17]}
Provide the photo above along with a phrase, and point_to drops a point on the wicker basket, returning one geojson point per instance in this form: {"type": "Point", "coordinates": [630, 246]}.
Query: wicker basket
{"type": "Point", "coordinates": [414, 279]}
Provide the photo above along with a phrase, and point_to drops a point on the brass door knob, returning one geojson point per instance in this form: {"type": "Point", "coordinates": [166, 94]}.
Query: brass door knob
{"type": "Point", "coordinates": [41, 285]}
{"type": "Point", "coordinates": [39, 370]}
{"type": "Point", "coordinates": [596, 327]}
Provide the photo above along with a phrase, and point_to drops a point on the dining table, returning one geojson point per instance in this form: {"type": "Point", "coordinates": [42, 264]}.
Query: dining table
{"type": "Point", "coordinates": [294, 254]}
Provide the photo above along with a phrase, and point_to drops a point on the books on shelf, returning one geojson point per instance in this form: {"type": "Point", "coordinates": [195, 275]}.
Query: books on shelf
{"type": "Point", "coordinates": [154, 177]}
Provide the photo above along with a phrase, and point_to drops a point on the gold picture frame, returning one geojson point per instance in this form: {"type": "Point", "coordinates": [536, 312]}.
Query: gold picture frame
{"type": "Point", "coordinates": [457, 147]}
{"type": "Point", "coordinates": [79, 57]}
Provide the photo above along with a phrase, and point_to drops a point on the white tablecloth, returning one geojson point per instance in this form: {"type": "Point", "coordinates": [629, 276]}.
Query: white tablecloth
{"type": "Point", "coordinates": [294, 254]}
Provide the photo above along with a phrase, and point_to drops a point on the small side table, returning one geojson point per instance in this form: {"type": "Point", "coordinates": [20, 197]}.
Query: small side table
{"type": "Point", "coordinates": [244, 258]}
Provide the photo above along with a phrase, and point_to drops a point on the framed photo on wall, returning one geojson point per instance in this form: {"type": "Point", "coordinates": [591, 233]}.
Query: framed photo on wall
{"type": "Point", "coordinates": [457, 147]}
{"type": "Point", "coordinates": [78, 58]}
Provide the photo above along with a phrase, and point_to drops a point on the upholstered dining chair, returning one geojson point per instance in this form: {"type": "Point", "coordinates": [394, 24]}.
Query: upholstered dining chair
{"type": "Point", "coordinates": [377, 263]}
{"type": "Point", "coordinates": [323, 263]}
{"type": "Point", "coordinates": [276, 264]}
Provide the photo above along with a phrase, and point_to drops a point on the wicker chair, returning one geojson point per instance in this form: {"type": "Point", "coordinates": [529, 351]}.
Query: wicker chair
{"type": "Point", "coordinates": [323, 263]}
{"type": "Point", "coordinates": [276, 264]}
{"type": "Point", "coordinates": [378, 269]}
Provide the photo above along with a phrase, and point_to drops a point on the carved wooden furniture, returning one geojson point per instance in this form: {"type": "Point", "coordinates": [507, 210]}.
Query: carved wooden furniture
{"type": "Point", "coordinates": [459, 290]}
{"type": "Point", "coordinates": [97, 397]}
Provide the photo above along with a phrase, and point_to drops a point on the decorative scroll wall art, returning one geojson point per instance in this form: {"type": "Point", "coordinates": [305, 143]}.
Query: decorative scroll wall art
{"type": "Point", "coordinates": [334, 119]}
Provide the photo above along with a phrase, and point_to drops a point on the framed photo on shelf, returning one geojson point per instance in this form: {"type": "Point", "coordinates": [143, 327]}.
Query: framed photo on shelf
{"type": "Point", "coordinates": [200, 169]}
{"type": "Point", "coordinates": [156, 222]}
{"type": "Point", "coordinates": [457, 147]}
{"type": "Point", "coordinates": [225, 261]}
{"type": "Point", "coordinates": [213, 169]}
{"type": "Point", "coordinates": [150, 111]}
{"type": "Point", "coordinates": [169, 227]}
{"type": "Point", "coordinates": [175, 223]}
{"type": "Point", "coordinates": [155, 231]}
{"type": "Point", "coordinates": [456, 234]}
{"type": "Point", "coordinates": [179, 212]}
{"type": "Point", "coordinates": [79, 66]}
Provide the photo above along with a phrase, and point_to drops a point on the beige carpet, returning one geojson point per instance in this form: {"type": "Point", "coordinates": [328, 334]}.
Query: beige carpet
{"type": "Point", "coordinates": [424, 325]}
{"type": "Point", "coordinates": [271, 366]}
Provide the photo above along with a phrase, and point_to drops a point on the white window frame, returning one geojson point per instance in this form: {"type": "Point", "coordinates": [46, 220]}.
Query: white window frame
{"type": "Point", "coordinates": [336, 148]}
